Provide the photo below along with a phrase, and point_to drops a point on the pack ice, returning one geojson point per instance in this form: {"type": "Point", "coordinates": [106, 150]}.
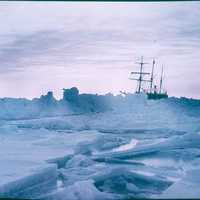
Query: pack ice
{"type": "Point", "coordinates": [87, 146]}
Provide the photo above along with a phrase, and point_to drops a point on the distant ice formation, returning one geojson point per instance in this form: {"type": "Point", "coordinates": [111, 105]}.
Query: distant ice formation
{"type": "Point", "coordinates": [73, 103]}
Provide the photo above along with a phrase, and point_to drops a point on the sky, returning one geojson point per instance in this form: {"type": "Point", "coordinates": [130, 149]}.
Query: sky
{"type": "Point", "coordinates": [48, 46]}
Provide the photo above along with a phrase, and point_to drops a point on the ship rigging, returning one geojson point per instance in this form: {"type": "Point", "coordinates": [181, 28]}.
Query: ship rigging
{"type": "Point", "coordinates": [152, 92]}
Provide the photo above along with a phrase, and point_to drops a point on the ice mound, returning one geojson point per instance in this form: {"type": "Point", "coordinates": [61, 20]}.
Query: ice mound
{"type": "Point", "coordinates": [130, 184]}
{"type": "Point", "coordinates": [47, 105]}
{"type": "Point", "coordinates": [26, 179]}
{"type": "Point", "coordinates": [75, 103]}
{"type": "Point", "coordinates": [174, 147]}
{"type": "Point", "coordinates": [79, 160]}
{"type": "Point", "coordinates": [81, 190]}
{"type": "Point", "coordinates": [30, 159]}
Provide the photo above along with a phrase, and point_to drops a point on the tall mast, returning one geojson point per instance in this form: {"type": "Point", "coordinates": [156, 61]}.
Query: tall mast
{"type": "Point", "coordinates": [152, 75]}
{"type": "Point", "coordinates": [161, 80]}
{"type": "Point", "coordinates": [140, 77]}
{"type": "Point", "coordinates": [141, 73]}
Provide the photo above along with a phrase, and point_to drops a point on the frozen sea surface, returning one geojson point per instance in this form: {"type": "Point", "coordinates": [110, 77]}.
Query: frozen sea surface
{"type": "Point", "coordinates": [139, 148]}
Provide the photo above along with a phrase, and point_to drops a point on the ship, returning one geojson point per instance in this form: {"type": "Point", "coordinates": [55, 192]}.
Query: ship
{"type": "Point", "coordinates": [153, 91]}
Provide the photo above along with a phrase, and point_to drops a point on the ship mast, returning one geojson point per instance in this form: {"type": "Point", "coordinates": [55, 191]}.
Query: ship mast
{"type": "Point", "coordinates": [161, 80]}
{"type": "Point", "coordinates": [141, 73]}
{"type": "Point", "coordinates": [152, 76]}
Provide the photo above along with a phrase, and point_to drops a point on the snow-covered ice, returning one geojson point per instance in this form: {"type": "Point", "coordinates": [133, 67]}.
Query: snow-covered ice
{"type": "Point", "coordinates": [99, 147]}
{"type": "Point", "coordinates": [26, 179]}
{"type": "Point", "coordinates": [128, 146]}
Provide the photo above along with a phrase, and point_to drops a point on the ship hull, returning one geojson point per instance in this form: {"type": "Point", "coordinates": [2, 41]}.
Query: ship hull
{"type": "Point", "coordinates": [156, 96]}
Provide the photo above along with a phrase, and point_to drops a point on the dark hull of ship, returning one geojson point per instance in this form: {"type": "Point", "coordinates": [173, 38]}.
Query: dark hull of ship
{"type": "Point", "coordinates": [157, 96]}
